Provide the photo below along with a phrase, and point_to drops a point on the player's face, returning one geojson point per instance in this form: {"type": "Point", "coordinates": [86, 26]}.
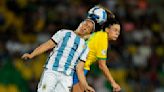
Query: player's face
{"type": "Point", "coordinates": [113, 31]}
{"type": "Point", "coordinates": [85, 28]}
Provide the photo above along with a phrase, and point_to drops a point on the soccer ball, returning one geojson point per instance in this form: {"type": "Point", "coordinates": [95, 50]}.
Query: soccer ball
{"type": "Point", "coordinates": [98, 15]}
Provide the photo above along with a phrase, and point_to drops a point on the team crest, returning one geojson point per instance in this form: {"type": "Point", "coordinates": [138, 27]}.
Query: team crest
{"type": "Point", "coordinates": [104, 52]}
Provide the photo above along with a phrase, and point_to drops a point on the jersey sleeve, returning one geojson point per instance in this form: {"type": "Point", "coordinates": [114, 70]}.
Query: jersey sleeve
{"type": "Point", "coordinates": [84, 54]}
{"type": "Point", "coordinates": [102, 47]}
{"type": "Point", "coordinates": [57, 37]}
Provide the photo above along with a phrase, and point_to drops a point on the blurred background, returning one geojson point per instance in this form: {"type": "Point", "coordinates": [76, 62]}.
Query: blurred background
{"type": "Point", "coordinates": [136, 60]}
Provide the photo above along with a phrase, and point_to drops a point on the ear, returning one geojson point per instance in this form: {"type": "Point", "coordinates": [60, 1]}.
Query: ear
{"type": "Point", "coordinates": [106, 29]}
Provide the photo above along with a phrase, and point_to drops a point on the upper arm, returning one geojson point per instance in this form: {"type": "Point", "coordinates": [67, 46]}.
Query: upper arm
{"type": "Point", "coordinates": [102, 63]}
{"type": "Point", "coordinates": [80, 65]}
{"type": "Point", "coordinates": [49, 44]}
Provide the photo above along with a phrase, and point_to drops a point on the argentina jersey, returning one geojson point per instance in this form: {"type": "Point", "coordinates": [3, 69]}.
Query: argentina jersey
{"type": "Point", "coordinates": [69, 49]}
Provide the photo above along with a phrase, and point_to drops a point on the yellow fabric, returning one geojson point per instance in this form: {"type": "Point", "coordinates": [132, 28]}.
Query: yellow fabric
{"type": "Point", "coordinates": [9, 88]}
{"type": "Point", "coordinates": [98, 44]}
{"type": "Point", "coordinates": [2, 88]}
{"type": "Point", "coordinates": [31, 69]}
{"type": "Point", "coordinates": [25, 69]}
{"type": "Point", "coordinates": [12, 88]}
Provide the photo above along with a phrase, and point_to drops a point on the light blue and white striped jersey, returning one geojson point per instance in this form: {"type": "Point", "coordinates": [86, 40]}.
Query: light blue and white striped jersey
{"type": "Point", "coordinates": [69, 49]}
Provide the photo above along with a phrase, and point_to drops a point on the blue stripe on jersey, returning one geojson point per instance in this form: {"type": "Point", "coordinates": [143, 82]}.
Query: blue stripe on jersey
{"type": "Point", "coordinates": [71, 53]}
{"type": "Point", "coordinates": [60, 51]}
{"type": "Point", "coordinates": [72, 72]}
{"type": "Point", "coordinates": [104, 15]}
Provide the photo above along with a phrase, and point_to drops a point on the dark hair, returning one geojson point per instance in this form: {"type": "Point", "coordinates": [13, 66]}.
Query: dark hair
{"type": "Point", "coordinates": [109, 22]}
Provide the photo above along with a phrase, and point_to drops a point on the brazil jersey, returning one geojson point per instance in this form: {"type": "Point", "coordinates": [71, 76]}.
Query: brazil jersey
{"type": "Point", "coordinates": [98, 44]}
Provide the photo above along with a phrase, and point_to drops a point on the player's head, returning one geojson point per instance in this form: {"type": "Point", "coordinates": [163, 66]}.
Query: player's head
{"type": "Point", "coordinates": [86, 27]}
{"type": "Point", "coordinates": [112, 27]}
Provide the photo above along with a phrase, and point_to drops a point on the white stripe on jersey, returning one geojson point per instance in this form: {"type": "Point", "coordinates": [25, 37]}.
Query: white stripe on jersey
{"type": "Point", "coordinates": [76, 58]}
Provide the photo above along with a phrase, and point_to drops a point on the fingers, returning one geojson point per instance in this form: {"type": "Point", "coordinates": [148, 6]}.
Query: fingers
{"type": "Point", "coordinates": [117, 89]}
{"type": "Point", "coordinates": [89, 89]}
{"type": "Point", "coordinates": [26, 56]}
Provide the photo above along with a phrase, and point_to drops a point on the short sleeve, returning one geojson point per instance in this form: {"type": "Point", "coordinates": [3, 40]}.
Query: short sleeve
{"type": "Point", "coordinates": [57, 37]}
{"type": "Point", "coordinates": [84, 54]}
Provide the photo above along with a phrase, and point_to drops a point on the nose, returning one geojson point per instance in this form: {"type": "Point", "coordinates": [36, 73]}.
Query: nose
{"type": "Point", "coordinates": [86, 28]}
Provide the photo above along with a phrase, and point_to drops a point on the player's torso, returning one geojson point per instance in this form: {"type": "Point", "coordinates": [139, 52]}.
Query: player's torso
{"type": "Point", "coordinates": [96, 43]}
{"type": "Point", "coordinates": [65, 56]}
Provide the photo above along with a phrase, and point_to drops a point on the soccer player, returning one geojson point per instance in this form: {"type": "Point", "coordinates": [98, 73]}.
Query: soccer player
{"type": "Point", "coordinates": [98, 44]}
{"type": "Point", "coordinates": [68, 48]}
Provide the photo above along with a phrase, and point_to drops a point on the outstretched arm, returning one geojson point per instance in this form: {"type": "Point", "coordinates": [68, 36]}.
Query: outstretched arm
{"type": "Point", "coordinates": [106, 72]}
{"type": "Point", "coordinates": [40, 49]}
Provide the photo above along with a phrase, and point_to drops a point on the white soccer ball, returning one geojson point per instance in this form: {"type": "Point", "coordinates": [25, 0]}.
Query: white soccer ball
{"type": "Point", "coordinates": [97, 14]}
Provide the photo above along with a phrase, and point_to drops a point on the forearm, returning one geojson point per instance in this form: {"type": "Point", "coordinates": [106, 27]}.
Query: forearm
{"type": "Point", "coordinates": [80, 73]}
{"type": "Point", "coordinates": [82, 78]}
{"type": "Point", "coordinates": [39, 50]}
{"type": "Point", "coordinates": [105, 70]}
{"type": "Point", "coordinates": [107, 74]}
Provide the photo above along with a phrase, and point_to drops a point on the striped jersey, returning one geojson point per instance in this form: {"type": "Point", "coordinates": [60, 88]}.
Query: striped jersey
{"type": "Point", "coordinates": [69, 49]}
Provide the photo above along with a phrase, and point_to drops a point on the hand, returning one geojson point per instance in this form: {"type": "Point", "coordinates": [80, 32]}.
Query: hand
{"type": "Point", "coordinates": [89, 89]}
{"type": "Point", "coordinates": [26, 56]}
{"type": "Point", "coordinates": [116, 87]}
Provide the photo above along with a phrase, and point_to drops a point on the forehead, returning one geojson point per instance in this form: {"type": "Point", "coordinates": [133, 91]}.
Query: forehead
{"type": "Point", "coordinates": [116, 26]}
{"type": "Point", "coordinates": [87, 22]}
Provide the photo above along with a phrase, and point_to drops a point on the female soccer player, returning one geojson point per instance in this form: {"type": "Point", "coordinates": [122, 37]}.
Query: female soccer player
{"type": "Point", "coordinates": [68, 48]}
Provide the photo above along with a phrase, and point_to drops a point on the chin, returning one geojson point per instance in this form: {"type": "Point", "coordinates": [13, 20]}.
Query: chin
{"type": "Point", "coordinates": [114, 39]}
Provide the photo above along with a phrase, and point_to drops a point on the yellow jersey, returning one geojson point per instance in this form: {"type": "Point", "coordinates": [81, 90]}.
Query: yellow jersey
{"type": "Point", "coordinates": [98, 44]}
